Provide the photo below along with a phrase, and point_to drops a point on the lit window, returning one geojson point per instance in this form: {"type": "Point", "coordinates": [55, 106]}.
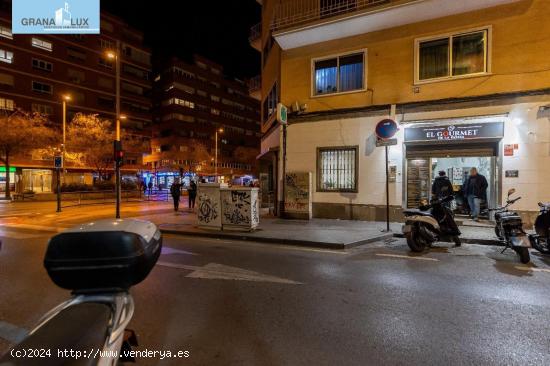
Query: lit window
{"type": "Point", "coordinates": [337, 169]}
{"type": "Point", "coordinates": [6, 32]}
{"type": "Point", "coordinates": [215, 111]}
{"type": "Point", "coordinates": [339, 74]}
{"type": "Point", "coordinates": [7, 104]}
{"type": "Point", "coordinates": [40, 43]}
{"type": "Point", "coordinates": [452, 56]}
{"type": "Point", "coordinates": [6, 56]}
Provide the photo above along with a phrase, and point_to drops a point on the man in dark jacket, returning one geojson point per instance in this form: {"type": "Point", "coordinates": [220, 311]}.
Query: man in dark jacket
{"type": "Point", "coordinates": [175, 191]}
{"type": "Point", "coordinates": [442, 186]}
{"type": "Point", "coordinates": [475, 190]}
{"type": "Point", "coordinates": [192, 190]}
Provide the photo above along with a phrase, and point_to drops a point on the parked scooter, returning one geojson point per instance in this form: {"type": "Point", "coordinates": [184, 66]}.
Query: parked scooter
{"type": "Point", "coordinates": [98, 262]}
{"type": "Point", "coordinates": [541, 239]}
{"type": "Point", "coordinates": [430, 223]}
{"type": "Point", "coordinates": [509, 229]}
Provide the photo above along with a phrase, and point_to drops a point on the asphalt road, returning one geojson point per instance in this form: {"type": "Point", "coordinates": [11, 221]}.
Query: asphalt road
{"type": "Point", "coordinates": [240, 303]}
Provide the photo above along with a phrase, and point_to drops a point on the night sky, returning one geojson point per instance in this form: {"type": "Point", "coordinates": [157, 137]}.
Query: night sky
{"type": "Point", "coordinates": [216, 29]}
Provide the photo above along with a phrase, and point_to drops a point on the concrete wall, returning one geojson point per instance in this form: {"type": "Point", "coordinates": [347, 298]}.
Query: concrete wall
{"type": "Point", "coordinates": [518, 46]}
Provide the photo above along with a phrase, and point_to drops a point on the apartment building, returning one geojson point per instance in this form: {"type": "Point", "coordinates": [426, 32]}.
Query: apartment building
{"type": "Point", "coordinates": [37, 71]}
{"type": "Point", "coordinates": [195, 104]}
{"type": "Point", "coordinates": [468, 83]}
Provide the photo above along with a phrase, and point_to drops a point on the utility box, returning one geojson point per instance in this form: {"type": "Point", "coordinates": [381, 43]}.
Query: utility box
{"type": "Point", "coordinates": [240, 208]}
{"type": "Point", "coordinates": [209, 208]}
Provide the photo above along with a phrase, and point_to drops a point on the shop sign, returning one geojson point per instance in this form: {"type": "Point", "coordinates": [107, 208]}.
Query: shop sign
{"type": "Point", "coordinates": [3, 169]}
{"type": "Point", "coordinates": [455, 132]}
{"type": "Point", "coordinates": [511, 173]}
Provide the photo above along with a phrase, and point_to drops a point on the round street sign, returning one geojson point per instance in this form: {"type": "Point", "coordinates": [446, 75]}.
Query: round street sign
{"type": "Point", "coordinates": [386, 128]}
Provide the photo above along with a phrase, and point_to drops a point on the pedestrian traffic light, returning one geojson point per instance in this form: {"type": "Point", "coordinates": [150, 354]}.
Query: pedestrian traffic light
{"type": "Point", "coordinates": [119, 153]}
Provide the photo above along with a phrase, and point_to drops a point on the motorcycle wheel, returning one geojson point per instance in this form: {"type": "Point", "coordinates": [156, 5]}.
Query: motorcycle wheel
{"type": "Point", "coordinates": [543, 248]}
{"type": "Point", "coordinates": [523, 253]}
{"type": "Point", "coordinates": [415, 242]}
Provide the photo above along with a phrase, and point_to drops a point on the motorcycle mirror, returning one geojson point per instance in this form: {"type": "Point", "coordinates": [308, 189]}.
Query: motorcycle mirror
{"type": "Point", "coordinates": [511, 191]}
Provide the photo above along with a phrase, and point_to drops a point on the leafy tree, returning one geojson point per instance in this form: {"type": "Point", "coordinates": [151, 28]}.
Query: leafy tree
{"type": "Point", "coordinates": [90, 143]}
{"type": "Point", "coordinates": [22, 132]}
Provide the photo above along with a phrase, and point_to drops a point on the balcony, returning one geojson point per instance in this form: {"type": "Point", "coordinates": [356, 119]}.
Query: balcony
{"type": "Point", "coordinates": [298, 23]}
{"type": "Point", "coordinates": [255, 87]}
{"type": "Point", "coordinates": [255, 37]}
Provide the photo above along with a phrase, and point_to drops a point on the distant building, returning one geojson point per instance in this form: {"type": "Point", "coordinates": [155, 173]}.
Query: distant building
{"type": "Point", "coordinates": [191, 102]}
{"type": "Point", "coordinates": [36, 71]}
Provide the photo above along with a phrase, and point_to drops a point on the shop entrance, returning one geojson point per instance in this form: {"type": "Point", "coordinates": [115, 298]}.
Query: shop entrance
{"type": "Point", "coordinates": [425, 162]}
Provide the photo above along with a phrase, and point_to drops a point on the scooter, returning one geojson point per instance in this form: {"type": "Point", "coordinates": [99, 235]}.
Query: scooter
{"type": "Point", "coordinates": [430, 223]}
{"type": "Point", "coordinates": [509, 229]}
{"type": "Point", "coordinates": [541, 239]}
{"type": "Point", "coordinates": [98, 262]}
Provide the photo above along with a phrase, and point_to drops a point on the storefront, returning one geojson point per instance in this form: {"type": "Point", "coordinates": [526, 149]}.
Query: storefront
{"type": "Point", "coordinates": [37, 180]}
{"type": "Point", "coordinates": [3, 178]}
{"type": "Point", "coordinates": [455, 149]}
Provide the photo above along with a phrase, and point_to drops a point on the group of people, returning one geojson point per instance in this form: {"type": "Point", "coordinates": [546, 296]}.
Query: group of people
{"type": "Point", "coordinates": [176, 190]}
{"type": "Point", "coordinates": [474, 190]}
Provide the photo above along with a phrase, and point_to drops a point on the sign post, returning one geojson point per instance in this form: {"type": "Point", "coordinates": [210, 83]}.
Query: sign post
{"type": "Point", "coordinates": [58, 163]}
{"type": "Point", "coordinates": [282, 117]}
{"type": "Point", "coordinates": [385, 130]}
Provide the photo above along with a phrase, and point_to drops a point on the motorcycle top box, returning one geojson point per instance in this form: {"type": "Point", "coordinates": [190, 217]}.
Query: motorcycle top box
{"type": "Point", "coordinates": [103, 255]}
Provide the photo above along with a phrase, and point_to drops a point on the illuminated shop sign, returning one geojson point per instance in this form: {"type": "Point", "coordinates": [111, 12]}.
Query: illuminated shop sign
{"type": "Point", "coordinates": [455, 132]}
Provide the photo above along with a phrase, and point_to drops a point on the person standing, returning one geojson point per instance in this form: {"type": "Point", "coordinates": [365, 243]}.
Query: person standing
{"type": "Point", "coordinates": [475, 191]}
{"type": "Point", "coordinates": [175, 191]}
{"type": "Point", "coordinates": [442, 186]}
{"type": "Point", "coordinates": [192, 190]}
{"type": "Point", "coordinates": [150, 186]}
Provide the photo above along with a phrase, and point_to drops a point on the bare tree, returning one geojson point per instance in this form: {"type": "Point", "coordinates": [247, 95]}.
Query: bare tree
{"type": "Point", "coordinates": [22, 132]}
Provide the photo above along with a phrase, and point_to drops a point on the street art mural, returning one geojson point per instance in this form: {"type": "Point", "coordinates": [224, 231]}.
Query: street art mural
{"type": "Point", "coordinates": [240, 208]}
{"type": "Point", "coordinates": [297, 193]}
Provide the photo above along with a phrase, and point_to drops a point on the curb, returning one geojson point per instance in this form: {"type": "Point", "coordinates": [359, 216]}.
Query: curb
{"type": "Point", "coordinates": [494, 242]}
{"type": "Point", "coordinates": [269, 240]}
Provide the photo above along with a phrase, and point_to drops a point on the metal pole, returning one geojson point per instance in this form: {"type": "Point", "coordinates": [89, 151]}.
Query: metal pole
{"type": "Point", "coordinates": [117, 165]}
{"type": "Point", "coordinates": [58, 185]}
{"type": "Point", "coordinates": [387, 192]}
{"type": "Point", "coordinates": [284, 172]}
{"type": "Point", "coordinates": [216, 158]}
{"type": "Point", "coordinates": [64, 132]}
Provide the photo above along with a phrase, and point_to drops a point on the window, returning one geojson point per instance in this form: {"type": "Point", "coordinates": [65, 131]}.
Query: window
{"type": "Point", "coordinates": [6, 56]}
{"type": "Point", "coordinates": [105, 63]}
{"type": "Point", "coordinates": [42, 108]}
{"type": "Point", "coordinates": [7, 104]}
{"type": "Point", "coordinates": [215, 98]}
{"type": "Point", "coordinates": [42, 87]}
{"type": "Point", "coordinates": [5, 32]}
{"type": "Point", "coordinates": [130, 88]}
{"type": "Point", "coordinates": [104, 43]}
{"type": "Point", "coordinates": [339, 74]}
{"type": "Point", "coordinates": [452, 56]}
{"type": "Point", "coordinates": [105, 83]}
{"type": "Point", "coordinates": [6, 79]}
{"type": "Point", "coordinates": [179, 101]}
{"type": "Point", "coordinates": [215, 111]}
{"type": "Point", "coordinates": [42, 65]}
{"type": "Point", "coordinates": [76, 76]}
{"type": "Point", "coordinates": [202, 93]}
{"type": "Point", "coordinates": [139, 73]}
{"type": "Point", "coordinates": [270, 103]}
{"type": "Point", "coordinates": [337, 169]}
{"type": "Point", "coordinates": [42, 44]}
{"type": "Point", "coordinates": [76, 54]}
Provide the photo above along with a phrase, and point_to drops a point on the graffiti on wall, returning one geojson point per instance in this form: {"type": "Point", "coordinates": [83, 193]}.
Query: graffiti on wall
{"type": "Point", "coordinates": [297, 186]}
{"type": "Point", "coordinates": [208, 209]}
{"type": "Point", "coordinates": [236, 206]}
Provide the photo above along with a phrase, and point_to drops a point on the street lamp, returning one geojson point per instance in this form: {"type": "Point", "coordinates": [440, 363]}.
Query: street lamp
{"type": "Point", "coordinates": [220, 130]}
{"type": "Point", "coordinates": [115, 55]}
{"type": "Point", "coordinates": [64, 99]}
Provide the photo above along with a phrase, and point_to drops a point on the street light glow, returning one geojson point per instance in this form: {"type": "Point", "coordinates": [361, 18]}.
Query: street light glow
{"type": "Point", "coordinates": [111, 54]}
{"type": "Point", "coordinates": [122, 117]}
{"type": "Point", "coordinates": [220, 130]}
{"type": "Point", "coordinates": [67, 97]}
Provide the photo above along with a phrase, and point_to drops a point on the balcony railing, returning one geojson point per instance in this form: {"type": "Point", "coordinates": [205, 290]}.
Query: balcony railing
{"type": "Point", "coordinates": [254, 83]}
{"type": "Point", "coordinates": [291, 13]}
{"type": "Point", "coordinates": [255, 32]}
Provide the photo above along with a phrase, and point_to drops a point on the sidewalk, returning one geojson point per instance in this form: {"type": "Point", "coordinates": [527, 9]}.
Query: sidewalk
{"type": "Point", "coordinates": [322, 233]}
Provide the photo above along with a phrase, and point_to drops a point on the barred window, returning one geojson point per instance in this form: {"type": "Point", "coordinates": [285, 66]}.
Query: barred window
{"type": "Point", "coordinates": [337, 169]}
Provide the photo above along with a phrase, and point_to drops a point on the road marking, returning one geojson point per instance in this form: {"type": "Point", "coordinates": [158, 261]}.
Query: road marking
{"type": "Point", "coordinates": [407, 257]}
{"type": "Point", "coordinates": [168, 250]}
{"type": "Point", "coordinates": [12, 333]}
{"type": "Point", "coordinates": [534, 269]}
{"type": "Point", "coordinates": [215, 271]}
{"type": "Point", "coordinates": [35, 227]}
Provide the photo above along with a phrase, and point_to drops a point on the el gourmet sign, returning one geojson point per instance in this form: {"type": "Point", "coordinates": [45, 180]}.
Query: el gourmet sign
{"type": "Point", "coordinates": [455, 132]}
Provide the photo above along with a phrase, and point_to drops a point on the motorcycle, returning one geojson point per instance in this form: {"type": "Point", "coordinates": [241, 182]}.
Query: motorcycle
{"type": "Point", "coordinates": [509, 229]}
{"type": "Point", "coordinates": [98, 262]}
{"type": "Point", "coordinates": [541, 239]}
{"type": "Point", "coordinates": [430, 223]}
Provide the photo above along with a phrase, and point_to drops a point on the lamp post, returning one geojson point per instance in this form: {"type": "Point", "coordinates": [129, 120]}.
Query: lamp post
{"type": "Point", "coordinates": [220, 130]}
{"type": "Point", "coordinates": [64, 99]}
{"type": "Point", "coordinates": [115, 55]}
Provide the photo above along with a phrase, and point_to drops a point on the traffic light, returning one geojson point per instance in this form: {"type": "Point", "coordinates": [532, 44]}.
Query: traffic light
{"type": "Point", "coordinates": [119, 153]}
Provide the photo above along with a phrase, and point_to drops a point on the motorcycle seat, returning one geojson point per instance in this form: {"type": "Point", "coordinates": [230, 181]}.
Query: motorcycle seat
{"type": "Point", "coordinates": [415, 211]}
{"type": "Point", "coordinates": [82, 327]}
